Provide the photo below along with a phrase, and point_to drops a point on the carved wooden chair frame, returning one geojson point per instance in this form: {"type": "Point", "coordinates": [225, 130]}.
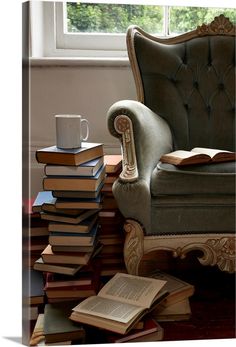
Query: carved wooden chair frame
{"type": "Point", "coordinates": [217, 249]}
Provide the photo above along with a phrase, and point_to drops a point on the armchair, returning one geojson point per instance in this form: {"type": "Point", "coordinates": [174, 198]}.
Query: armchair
{"type": "Point", "coordinates": [186, 98]}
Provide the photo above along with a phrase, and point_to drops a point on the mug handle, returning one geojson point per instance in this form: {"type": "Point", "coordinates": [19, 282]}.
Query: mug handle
{"type": "Point", "coordinates": [87, 129]}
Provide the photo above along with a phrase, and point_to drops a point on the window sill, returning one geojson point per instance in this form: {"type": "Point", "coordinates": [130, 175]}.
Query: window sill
{"type": "Point", "coordinates": [72, 61]}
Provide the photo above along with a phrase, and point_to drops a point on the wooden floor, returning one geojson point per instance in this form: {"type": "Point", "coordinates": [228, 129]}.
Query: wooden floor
{"type": "Point", "coordinates": [213, 307]}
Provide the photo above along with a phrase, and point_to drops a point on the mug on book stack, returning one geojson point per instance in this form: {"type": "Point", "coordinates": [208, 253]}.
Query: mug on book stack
{"type": "Point", "coordinates": [69, 130]}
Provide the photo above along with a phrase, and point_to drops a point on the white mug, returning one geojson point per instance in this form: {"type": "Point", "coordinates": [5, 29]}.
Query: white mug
{"type": "Point", "coordinates": [69, 131]}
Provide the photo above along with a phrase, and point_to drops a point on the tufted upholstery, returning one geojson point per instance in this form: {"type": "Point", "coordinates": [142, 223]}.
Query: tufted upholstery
{"type": "Point", "coordinates": [186, 94]}
{"type": "Point", "coordinates": [192, 86]}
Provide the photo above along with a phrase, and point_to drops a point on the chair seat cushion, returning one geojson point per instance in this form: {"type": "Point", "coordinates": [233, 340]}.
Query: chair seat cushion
{"type": "Point", "coordinates": [217, 178]}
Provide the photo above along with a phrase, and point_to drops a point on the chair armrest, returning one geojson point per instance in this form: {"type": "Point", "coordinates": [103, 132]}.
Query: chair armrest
{"type": "Point", "coordinates": [144, 136]}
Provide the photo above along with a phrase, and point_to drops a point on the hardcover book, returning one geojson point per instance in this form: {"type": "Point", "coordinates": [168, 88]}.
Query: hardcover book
{"type": "Point", "coordinates": [76, 156]}
{"type": "Point", "coordinates": [151, 331]}
{"type": "Point", "coordinates": [113, 162]}
{"type": "Point", "coordinates": [81, 215]}
{"type": "Point", "coordinates": [90, 168]}
{"type": "Point", "coordinates": [80, 183]}
{"type": "Point", "coordinates": [58, 327]}
{"type": "Point", "coordinates": [79, 203]}
{"type": "Point", "coordinates": [73, 239]}
{"type": "Point", "coordinates": [197, 155]}
{"type": "Point", "coordinates": [70, 269]}
{"type": "Point", "coordinates": [83, 227]}
{"type": "Point", "coordinates": [121, 303]}
{"type": "Point", "coordinates": [178, 289]}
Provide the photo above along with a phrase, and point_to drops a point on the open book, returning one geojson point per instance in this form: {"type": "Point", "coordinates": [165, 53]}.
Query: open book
{"type": "Point", "coordinates": [121, 303]}
{"type": "Point", "coordinates": [197, 155]}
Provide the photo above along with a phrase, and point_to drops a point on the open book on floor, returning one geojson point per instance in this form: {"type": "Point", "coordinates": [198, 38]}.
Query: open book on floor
{"type": "Point", "coordinates": [121, 303]}
{"type": "Point", "coordinates": [197, 155]}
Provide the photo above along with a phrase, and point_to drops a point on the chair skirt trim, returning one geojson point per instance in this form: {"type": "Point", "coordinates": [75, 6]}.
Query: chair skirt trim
{"type": "Point", "coordinates": [217, 249]}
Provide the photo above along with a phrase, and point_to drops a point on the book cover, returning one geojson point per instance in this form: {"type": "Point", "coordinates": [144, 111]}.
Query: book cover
{"type": "Point", "coordinates": [90, 168]}
{"type": "Point", "coordinates": [82, 183]}
{"type": "Point", "coordinates": [121, 303]}
{"type": "Point", "coordinates": [70, 269]}
{"type": "Point", "coordinates": [73, 239]}
{"type": "Point", "coordinates": [197, 155]}
{"type": "Point", "coordinates": [75, 156]}
{"type": "Point", "coordinates": [83, 227]}
{"type": "Point", "coordinates": [113, 162]}
{"type": "Point", "coordinates": [57, 325]}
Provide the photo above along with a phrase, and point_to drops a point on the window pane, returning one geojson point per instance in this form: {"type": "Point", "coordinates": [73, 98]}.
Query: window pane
{"type": "Point", "coordinates": [184, 19]}
{"type": "Point", "coordinates": [113, 18]}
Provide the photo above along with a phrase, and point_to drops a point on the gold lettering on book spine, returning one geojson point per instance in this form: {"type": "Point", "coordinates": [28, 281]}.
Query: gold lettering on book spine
{"type": "Point", "coordinates": [123, 126]}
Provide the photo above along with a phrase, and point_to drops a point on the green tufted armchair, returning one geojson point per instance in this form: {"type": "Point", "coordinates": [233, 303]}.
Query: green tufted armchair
{"type": "Point", "coordinates": [186, 98]}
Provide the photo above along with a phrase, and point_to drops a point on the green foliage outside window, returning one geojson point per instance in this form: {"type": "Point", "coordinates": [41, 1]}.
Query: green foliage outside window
{"type": "Point", "coordinates": [112, 18]}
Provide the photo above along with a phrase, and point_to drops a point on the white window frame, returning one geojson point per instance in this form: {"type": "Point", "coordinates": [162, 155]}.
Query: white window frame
{"type": "Point", "coordinates": [48, 39]}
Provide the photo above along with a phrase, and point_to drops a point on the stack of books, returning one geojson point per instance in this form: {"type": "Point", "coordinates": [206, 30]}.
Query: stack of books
{"type": "Point", "coordinates": [70, 203]}
{"type": "Point", "coordinates": [35, 234]}
{"type": "Point", "coordinates": [111, 222]}
{"type": "Point", "coordinates": [176, 307]}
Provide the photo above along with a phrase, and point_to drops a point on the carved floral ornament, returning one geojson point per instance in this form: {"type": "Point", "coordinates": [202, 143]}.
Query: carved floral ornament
{"type": "Point", "coordinates": [221, 25]}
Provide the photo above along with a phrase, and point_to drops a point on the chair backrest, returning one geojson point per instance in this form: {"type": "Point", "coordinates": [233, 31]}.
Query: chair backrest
{"type": "Point", "coordinates": [189, 80]}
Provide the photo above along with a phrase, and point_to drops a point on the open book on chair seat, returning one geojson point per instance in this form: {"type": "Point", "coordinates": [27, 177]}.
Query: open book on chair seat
{"type": "Point", "coordinates": [121, 303]}
{"type": "Point", "coordinates": [197, 155]}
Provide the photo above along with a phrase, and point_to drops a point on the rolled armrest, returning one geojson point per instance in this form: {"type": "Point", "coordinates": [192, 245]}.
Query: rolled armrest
{"type": "Point", "coordinates": [144, 137]}
{"type": "Point", "coordinates": [149, 134]}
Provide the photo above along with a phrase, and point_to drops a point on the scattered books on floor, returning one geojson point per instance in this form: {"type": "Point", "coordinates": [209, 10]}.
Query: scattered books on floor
{"type": "Point", "coordinates": [178, 289]}
{"type": "Point", "coordinates": [121, 303]}
{"type": "Point", "coordinates": [151, 331]}
{"type": "Point", "coordinates": [81, 232]}
{"type": "Point", "coordinates": [179, 311]}
{"type": "Point", "coordinates": [197, 155]}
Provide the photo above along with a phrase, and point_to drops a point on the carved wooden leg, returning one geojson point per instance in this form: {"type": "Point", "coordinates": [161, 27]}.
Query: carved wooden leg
{"type": "Point", "coordinates": [133, 247]}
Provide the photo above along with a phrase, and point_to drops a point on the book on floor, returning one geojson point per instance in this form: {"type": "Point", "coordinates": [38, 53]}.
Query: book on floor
{"type": "Point", "coordinates": [197, 155]}
{"type": "Point", "coordinates": [121, 303]}
{"type": "Point", "coordinates": [178, 289]}
{"type": "Point", "coordinates": [176, 312]}
{"type": "Point", "coordinates": [80, 183]}
{"type": "Point", "coordinates": [75, 156]}
{"type": "Point", "coordinates": [151, 331]}
{"type": "Point", "coordinates": [57, 325]}
{"type": "Point", "coordinates": [90, 168]}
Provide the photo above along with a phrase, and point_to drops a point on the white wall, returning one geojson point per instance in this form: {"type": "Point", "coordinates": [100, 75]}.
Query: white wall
{"type": "Point", "coordinates": [75, 89]}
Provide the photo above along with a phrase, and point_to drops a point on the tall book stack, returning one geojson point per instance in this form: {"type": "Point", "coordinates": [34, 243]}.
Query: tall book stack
{"type": "Point", "coordinates": [111, 222]}
{"type": "Point", "coordinates": [70, 202]}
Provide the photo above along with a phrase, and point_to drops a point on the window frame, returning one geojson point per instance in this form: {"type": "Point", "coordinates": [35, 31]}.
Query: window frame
{"type": "Point", "coordinates": [48, 39]}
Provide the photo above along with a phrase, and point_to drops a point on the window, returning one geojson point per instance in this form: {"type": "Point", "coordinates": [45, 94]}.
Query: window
{"type": "Point", "coordinates": [97, 28]}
